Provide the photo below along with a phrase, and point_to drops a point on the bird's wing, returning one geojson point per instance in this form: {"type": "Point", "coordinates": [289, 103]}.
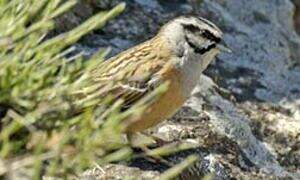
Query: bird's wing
{"type": "Point", "coordinates": [132, 91]}
{"type": "Point", "coordinates": [134, 73]}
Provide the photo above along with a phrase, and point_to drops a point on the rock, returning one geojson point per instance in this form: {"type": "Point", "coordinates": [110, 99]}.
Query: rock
{"type": "Point", "coordinates": [263, 41]}
{"type": "Point", "coordinates": [153, 4]}
{"type": "Point", "coordinates": [266, 55]}
{"type": "Point", "coordinates": [104, 4]}
{"type": "Point", "coordinates": [231, 122]}
{"type": "Point", "coordinates": [74, 17]}
{"type": "Point", "coordinates": [118, 172]}
{"type": "Point", "coordinates": [206, 165]}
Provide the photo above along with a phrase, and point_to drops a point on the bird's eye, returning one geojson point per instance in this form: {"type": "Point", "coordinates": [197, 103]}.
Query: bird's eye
{"type": "Point", "coordinates": [208, 35]}
{"type": "Point", "coordinates": [201, 32]}
{"type": "Point", "coordinates": [192, 28]}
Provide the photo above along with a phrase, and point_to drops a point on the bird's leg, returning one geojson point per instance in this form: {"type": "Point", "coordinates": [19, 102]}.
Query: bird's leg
{"type": "Point", "coordinates": [142, 141]}
{"type": "Point", "coordinates": [159, 141]}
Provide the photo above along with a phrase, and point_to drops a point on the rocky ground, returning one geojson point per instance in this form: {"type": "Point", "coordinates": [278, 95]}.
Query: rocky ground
{"type": "Point", "coordinates": [245, 112]}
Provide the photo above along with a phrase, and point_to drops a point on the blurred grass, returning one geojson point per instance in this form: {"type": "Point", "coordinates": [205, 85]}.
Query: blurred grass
{"type": "Point", "coordinates": [37, 83]}
{"type": "Point", "coordinates": [43, 125]}
{"type": "Point", "coordinates": [174, 172]}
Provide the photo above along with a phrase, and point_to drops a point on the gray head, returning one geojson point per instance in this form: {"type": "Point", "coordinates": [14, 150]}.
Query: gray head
{"type": "Point", "coordinates": [198, 34]}
{"type": "Point", "coordinates": [194, 42]}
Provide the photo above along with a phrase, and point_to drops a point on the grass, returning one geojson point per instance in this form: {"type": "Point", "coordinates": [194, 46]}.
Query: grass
{"type": "Point", "coordinates": [37, 83]}
{"type": "Point", "coordinates": [39, 80]}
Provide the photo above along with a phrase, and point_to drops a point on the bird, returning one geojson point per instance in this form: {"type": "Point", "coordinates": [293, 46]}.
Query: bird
{"type": "Point", "coordinates": [178, 54]}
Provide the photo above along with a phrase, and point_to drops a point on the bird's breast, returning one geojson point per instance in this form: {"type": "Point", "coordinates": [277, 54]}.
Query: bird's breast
{"type": "Point", "coordinates": [190, 71]}
{"type": "Point", "coordinates": [166, 105]}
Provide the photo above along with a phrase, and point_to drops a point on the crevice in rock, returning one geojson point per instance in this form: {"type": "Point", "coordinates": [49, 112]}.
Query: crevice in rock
{"type": "Point", "coordinates": [297, 15]}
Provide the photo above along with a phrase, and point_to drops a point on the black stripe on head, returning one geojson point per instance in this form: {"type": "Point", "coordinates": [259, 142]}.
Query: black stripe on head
{"type": "Point", "coordinates": [210, 24]}
{"type": "Point", "coordinates": [191, 27]}
{"type": "Point", "coordinates": [211, 36]}
{"type": "Point", "coordinates": [208, 35]}
{"type": "Point", "coordinates": [200, 50]}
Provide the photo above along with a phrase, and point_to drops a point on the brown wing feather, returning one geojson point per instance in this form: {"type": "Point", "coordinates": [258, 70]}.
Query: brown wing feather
{"type": "Point", "coordinates": [134, 73]}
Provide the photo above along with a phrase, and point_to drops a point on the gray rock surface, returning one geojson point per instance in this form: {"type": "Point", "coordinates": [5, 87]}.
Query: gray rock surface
{"type": "Point", "coordinates": [118, 172]}
{"type": "Point", "coordinates": [245, 113]}
{"type": "Point", "coordinates": [266, 48]}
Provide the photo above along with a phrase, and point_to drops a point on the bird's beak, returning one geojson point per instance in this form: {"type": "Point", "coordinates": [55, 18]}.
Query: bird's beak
{"type": "Point", "coordinates": [223, 47]}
